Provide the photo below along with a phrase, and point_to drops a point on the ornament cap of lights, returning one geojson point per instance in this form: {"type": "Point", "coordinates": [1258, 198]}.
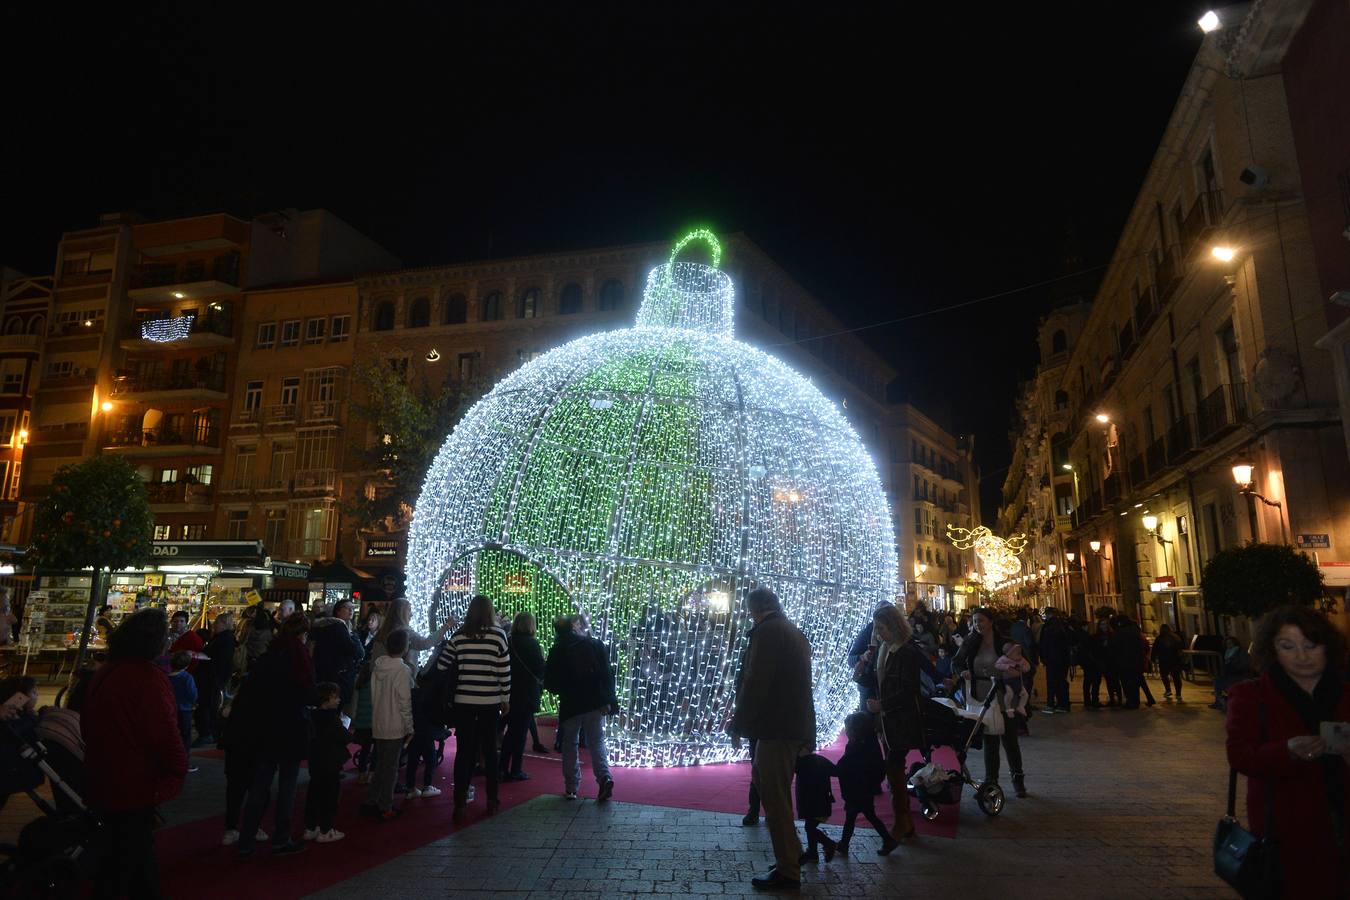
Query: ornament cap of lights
{"type": "Point", "coordinates": [649, 478]}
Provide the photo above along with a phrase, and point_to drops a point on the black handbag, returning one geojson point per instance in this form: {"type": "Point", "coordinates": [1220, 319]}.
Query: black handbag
{"type": "Point", "coordinates": [1247, 863]}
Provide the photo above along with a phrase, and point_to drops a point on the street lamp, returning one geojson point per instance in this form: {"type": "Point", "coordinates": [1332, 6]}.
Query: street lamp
{"type": "Point", "coordinates": [1242, 476]}
{"type": "Point", "coordinates": [1151, 523]}
{"type": "Point", "coordinates": [1209, 21]}
{"type": "Point", "coordinates": [1103, 418]}
{"type": "Point", "coordinates": [1069, 555]}
{"type": "Point", "coordinates": [1095, 546]}
{"type": "Point", "coordinates": [1223, 252]}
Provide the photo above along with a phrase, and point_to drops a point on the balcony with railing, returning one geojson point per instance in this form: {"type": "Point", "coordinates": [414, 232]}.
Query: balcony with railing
{"type": "Point", "coordinates": [193, 279]}
{"type": "Point", "coordinates": [10, 343]}
{"type": "Point", "coordinates": [241, 483]}
{"type": "Point", "coordinates": [170, 384]}
{"type": "Point", "coordinates": [1127, 342]}
{"type": "Point", "coordinates": [1205, 215]}
{"type": "Point", "coordinates": [1155, 456]}
{"type": "Point", "coordinates": [166, 441]}
{"type": "Point", "coordinates": [316, 480]}
{"type": "Point", "coordinates": [68, 378]}
{"type": "Point", "coordinates": [321, 411]}
{"type": "Point", "coordinates": [1167, 275]}
{"type": "Point", "coordinates": [180, 493]}
{"type": "Point", "coordinates": [63, 432]}
{"type": "Point", "coordinates": [1136, 470]}
{"type": "Point", "coordinates": [1222, 410]}
{"type": "Point", "coordinates": [81, 328]}
{"type": "Point", "coordinates": [280, 413]}
{"type": "Point", "coordinates": [1111, 488]}
{"type": "Point", "coordinates": [1145, 311]}
{"type": "Point", "coordinates": [1180, 439]}
{"type": "Point", "coordinates": [247, 418]}
{"type": "Point", "coordinates": [215, 329]}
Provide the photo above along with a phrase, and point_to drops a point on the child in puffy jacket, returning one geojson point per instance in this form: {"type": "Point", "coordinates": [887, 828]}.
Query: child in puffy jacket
{"type": "Point", "coordinates": [814, 802]}
{"type": "Point", "coordinates": [860, 771]}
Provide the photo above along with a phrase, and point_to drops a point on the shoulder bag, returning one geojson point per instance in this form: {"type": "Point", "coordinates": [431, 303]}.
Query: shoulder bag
{"type": "Point", "coordinates": [1247, 863]}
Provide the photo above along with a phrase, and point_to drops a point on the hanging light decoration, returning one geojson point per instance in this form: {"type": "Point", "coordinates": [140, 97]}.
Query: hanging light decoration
{"type": "Point", "coordinates": [998, 555]}
{"type": "Point", "coordinates": [648, 478]}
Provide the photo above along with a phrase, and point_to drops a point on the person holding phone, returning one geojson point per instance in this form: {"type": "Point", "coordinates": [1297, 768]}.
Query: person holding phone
{"type": "Point", "coordinates": [1298, 792]}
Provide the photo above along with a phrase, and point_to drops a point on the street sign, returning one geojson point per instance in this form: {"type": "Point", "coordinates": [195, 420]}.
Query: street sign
{"type": "Point", "coordinates": [1313, 541]}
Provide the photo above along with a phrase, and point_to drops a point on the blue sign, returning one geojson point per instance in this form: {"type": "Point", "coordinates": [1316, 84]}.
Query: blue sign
{"type": "Point", "coordinates": [1313, 541]}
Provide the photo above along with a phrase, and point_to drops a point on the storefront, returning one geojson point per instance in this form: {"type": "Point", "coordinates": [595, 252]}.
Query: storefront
{"type": "Point", "coordinates": [206, 578]}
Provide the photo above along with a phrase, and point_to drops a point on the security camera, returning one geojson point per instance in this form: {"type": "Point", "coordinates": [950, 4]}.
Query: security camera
{"type": "Point", "coordinates": [1254, 177]}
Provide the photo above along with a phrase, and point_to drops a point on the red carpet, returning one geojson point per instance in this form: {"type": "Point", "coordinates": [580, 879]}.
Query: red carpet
{"type": "Point", "coordinates": [194, 864]}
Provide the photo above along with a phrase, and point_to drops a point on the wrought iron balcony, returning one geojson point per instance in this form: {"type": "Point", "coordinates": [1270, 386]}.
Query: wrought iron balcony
{"type": "Point", "coordinates": [1205, 215]}
{"type": "Point", "coordinates": [1180, 439]}
{"type": "Point", "coordinates": [1155, 457]}
{"type": "Point", "coordinates": [185, 492]}
{"type": "Point", "coordinates": [1221, 410]}
{"type": "Point", "coordinates": [213, 382]}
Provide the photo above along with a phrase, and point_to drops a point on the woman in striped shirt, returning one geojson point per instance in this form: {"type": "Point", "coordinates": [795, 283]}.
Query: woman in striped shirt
{"type": "Point", "coordinates": [479, 652]}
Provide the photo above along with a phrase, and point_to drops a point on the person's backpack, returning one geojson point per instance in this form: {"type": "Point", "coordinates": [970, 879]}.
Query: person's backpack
{"type": "Point", "coordinates": [435, 690]}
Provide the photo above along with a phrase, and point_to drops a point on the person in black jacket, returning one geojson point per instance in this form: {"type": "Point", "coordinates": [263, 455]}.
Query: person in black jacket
{"type": "Point", "coordinates": [815, 800]}
{"type": "Point", "coordinates": [899, 663]}
{"type": "Point", "coordinates": [1056, 646]}
{"type": "Point", "coordinates": [1167, 647]}
{"type": "Point", "coordinates": [976, 662]}
{"type": "Point", "coordinates": [327, 755]}
{"type": "Point", "coordinates": [338, 653]}
{"type": "Point", "coordinates": [1125, 658]}
{"type": "Point", "coordinates": [578, 671]}
{"type": "Point", "coordinates": [214, 675]}
{"type": "Point", "coordinates": [527, 683]}
{"type": "Point", "coordinates": [860, 771]}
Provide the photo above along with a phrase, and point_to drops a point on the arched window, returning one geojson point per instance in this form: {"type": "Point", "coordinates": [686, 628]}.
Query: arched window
{"type": "Point", "coordinates": [384, 316]}
{"type": "Point", "coordinates": [419, 313]}
{"type": "Point", "coordinates": [569, 301]}
{"type": "Point", "coordinates": [456, 311]}
{"type": "Point", "coordinates": [492, 306]}
{"type": "Point", "coordinates": [1061, 400]}
{"type": "Point", "coordinates": [611, 294]}
{"type": "Point", "coordinates": [529, 304]}
{"type": "Point", "coordinates": [1059, 342]}
{"type": "Point", "coordinates": [36, 324]}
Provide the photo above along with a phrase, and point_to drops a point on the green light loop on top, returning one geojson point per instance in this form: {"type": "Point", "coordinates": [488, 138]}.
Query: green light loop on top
{"type": "Point", "coordinates": [698, 234]}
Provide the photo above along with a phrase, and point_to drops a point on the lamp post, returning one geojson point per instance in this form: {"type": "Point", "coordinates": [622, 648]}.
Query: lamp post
{"type": "Point", "coordinates": [1242, 476]}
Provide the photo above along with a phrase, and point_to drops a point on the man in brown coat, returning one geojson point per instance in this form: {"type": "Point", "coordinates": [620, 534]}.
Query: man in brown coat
{"type": "Point", "coordinates": [774, 707]}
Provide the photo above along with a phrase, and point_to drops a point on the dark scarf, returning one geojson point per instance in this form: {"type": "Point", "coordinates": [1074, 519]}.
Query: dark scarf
{"type": "Point", "coordinates": [1314, 709]}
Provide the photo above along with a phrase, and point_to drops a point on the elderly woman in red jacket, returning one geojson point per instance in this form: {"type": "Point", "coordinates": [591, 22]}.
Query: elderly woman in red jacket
{"type": "Point", "coordinates": [134, 758]}
{"type": "Point", "coordinates": [1298, 791]}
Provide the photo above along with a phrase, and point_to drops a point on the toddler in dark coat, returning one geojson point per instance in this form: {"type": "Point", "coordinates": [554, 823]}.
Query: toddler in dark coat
{"type": "Point", "coordinates": [860, 771]}
{"type": "Point", "coordinates": [814, 802]}
{"type": "Point", "coordinates": [327, 755]}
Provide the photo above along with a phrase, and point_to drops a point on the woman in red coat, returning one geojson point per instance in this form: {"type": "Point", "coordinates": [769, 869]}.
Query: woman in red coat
{"type": "Point", "coordinates": [1302, 659]}
{"type": "Point", "coordinates": [133, 758]}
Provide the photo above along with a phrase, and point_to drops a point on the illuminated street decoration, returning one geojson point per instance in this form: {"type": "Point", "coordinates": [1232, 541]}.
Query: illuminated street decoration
{"type": "Point", "coordinates": [648, 478]}
{"type": "Point", "coordinates": [164, 331]}
{"type": "Point", "coordinates": [998, 556]}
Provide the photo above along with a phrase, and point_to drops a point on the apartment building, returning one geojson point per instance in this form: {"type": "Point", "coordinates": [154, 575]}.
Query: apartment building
{"type": "Point", "coordinates": [25, 309]}
{"type": "Point", "coordinates": [1197, 356]}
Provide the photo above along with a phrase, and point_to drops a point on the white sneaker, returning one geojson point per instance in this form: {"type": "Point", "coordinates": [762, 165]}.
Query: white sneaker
{"type": "Point", "coordinates": [330, 835]}
{"type": "Point", "coordinates": [431, 791]}
{"type": "Point", "coordinates": [412, 793]}
{"type": "Point", "coordinates": [570, 795]}
{"type": "Point", "coordinates": [231, 837]}
{"type": "Point", "coordinates": [311, 833]}
{"type": "Point", "coordinates": [472, 793]}
{"type": "Point", "coordinates": [261, 836]}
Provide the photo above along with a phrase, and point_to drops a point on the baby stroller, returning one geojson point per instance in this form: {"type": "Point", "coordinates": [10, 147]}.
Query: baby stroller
{"type": "Point", "coordinates": [930, 782]}
{"type": "Point", "coordinates": [55, 853]}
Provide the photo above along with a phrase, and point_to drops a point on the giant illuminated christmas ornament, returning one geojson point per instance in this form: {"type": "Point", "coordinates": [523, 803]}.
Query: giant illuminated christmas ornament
{"type": "Point", "coordinates": [648, 479]}
{"type": "Point", "coordinates": [998, 556]}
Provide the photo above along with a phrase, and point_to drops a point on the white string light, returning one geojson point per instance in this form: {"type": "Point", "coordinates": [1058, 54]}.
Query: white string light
{"type": "Point", "coordinates": [649, 478]}
{"type": "Point", "coordinates": [164, 331]}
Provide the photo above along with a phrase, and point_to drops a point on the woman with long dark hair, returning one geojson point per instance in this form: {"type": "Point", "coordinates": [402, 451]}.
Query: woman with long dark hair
{"type": "Point", "coordinates": [1298, 790]}
{"type": "Point", "coordinates": [976, 662]}
{"type": "Point", "coordinates": [527, 685]}
{"type": "Point", "coordinates": [481, 657]}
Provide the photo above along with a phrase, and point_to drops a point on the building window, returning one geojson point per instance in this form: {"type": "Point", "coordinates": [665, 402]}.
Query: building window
{"type": "Point", "coordinates": [466, 367]}
{"type": "Point", "coordinates": [918, 520]}
{"type": "Point", "coordinates": [918, 553]}
{"type": "Point", "coordinates": [253, 391]}
{"type": "Point", "coordinates": [529, 304]}
{"type": "Point", "coordinates": [398, 364]}
{"type": "Point", "coordinates": [419, 313]}
{"type": "Point", "coordinates": [13, 377]}
{"type": "Point", "coordinates": [569, 301]}
{"type": "Point", "coordinates": [267, 335]}
{"type": "Point", "coordinates": [384, 316]}
{"type": "Point", "coordinates": [14, 480]}
{"type": "Point", "coordinates": [7, 421]}
{"type": "Point", "coordinates": [244, 461]}
{"type": "Point", "coordinates": [283, 464]}
{"type": "Point", "coordinates": [455, 310]}
{"type": "Point", "coordinates": [492, 307]}
{"type": "Point", "coordinates": [194, 532]}
{"type": "Point", "coordinates": [168, 476]}
{"type": "Point", "coordinates": [199, 474]}
{"type": "Point", "coordinates": [290, 333]}
{"type": "Point", "coordinates": [611, 294]}
{"type": "Point", "coordinates": [162, 532]}
{"type": "Point", "coordinates": [290, 391]}
{"type": "Point", "coordinates": [236, 525]}
{"type": "Point", "coordinates": [274, 534]}
{"type": "Point", "coordinates": [341, 330]}
{"type": "Point", "coordinates": [314, 329]}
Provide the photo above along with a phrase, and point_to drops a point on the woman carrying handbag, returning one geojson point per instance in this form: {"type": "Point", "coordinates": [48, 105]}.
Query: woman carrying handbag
{"type": "Point", "coordinates": [896, 707]}
{"type": "Point", "coordinates": [1298, 783]}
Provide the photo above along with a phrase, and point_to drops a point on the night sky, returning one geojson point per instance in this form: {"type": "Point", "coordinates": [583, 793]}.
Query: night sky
{"type": "Point", "coordinates": [895, 162]}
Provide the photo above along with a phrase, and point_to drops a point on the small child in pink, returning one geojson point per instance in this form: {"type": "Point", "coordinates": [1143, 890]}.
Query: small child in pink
{"type": "Point", "coordinates": [1013, 666]}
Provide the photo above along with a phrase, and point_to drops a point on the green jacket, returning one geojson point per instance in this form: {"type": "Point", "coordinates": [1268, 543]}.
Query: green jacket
{"type": "Point", "coordinates": [773, 700]}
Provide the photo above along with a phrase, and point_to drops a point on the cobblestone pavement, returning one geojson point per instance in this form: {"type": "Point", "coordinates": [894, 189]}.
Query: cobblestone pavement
{"type": "Point", "coordinates": [1123, 804]}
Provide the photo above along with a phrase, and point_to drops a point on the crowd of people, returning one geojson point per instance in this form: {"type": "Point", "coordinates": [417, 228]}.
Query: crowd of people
{"type": "Point", "coordinates": [280, 688]}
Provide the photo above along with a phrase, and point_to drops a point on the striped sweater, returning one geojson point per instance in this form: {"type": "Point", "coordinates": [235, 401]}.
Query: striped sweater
{"type": "Point", "coordinates": [484, 667]}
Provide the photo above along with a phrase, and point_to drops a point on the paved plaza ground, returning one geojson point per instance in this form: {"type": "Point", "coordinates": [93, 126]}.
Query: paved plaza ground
{"type": "Point", "coordinates": [1123, 805]}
